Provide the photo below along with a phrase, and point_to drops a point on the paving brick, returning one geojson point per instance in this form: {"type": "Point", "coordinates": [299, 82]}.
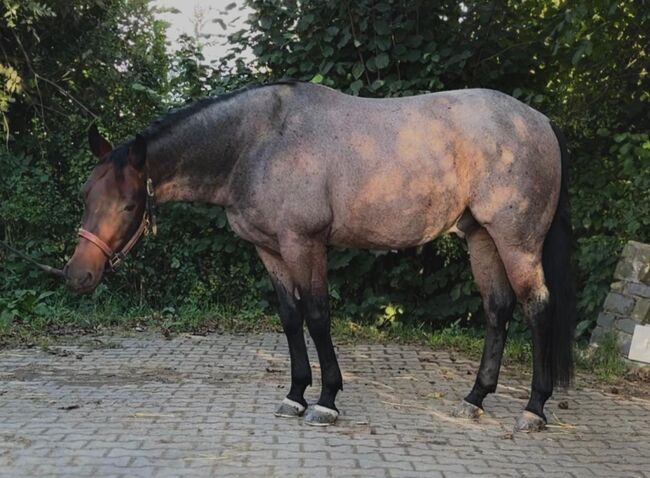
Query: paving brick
{"type": "Point", "coordinates": [203, 407]}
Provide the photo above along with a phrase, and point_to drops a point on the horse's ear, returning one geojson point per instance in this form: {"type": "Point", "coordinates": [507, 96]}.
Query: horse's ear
{"type": "Point", "coordinates": [138, 152]}
{"type": "Point", "coordinates": [99, 145]}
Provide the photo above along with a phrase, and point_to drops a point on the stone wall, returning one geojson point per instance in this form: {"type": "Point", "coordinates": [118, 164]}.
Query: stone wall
{"type": "Point", "coordinates": [628, 302]}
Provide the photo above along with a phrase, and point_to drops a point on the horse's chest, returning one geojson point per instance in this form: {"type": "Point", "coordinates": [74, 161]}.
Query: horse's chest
{"type": "Point", "coordinates": [251, 230]}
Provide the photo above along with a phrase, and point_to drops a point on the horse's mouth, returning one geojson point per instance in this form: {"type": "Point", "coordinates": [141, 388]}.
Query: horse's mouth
{"type": "Point", "coordinates": [84, 284]}
{"type": "Point", "coordinates": [83, 290]}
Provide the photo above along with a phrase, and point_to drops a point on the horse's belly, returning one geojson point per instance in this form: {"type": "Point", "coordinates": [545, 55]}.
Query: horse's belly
{"type": "Point", "coordinates": [388, 228]}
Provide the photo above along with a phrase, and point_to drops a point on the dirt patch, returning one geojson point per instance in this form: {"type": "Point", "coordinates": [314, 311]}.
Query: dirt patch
{"type": "Point", "coordinates": [15, 440]}
{"type": "Point", "coordinates": [94, 378]}
{"type": "Point", "coordinates": [635, 383]}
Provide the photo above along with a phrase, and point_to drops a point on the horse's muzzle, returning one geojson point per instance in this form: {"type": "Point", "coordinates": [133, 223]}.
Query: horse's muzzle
{"type": "Point", "coordinates": [81, 281]}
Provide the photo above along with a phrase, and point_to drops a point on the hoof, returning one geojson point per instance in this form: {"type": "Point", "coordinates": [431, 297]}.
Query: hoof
{"type": "Point", "coordinates": [529, 422]}
{"type": "Point", "coordinates": [290, 409]}
{"type": "Point", "coordinates": [467, 410]}
{"type": "Point", "coordinates": [320, 416]}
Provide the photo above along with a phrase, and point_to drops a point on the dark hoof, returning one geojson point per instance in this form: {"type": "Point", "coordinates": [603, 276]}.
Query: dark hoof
{"type": "Point", "coordinates": [290, 409]}
{"type": "Point", "coordinates": [320, 416]}
{"type": "Point", "coordinates": [529, 422]}
{"type": "Point", "coordinates": [467, 410]}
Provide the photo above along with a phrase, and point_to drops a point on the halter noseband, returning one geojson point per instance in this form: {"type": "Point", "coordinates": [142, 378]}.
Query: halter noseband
{"type": "Point", "coordinates": [148, 224]}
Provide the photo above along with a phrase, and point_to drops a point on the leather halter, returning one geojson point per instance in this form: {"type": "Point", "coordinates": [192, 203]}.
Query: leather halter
{"type": "Point", "coordinates": [148, 224]}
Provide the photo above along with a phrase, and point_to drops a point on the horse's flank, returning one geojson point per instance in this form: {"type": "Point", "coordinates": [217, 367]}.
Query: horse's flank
{"type": "Point", "coordinates": [375, 173]}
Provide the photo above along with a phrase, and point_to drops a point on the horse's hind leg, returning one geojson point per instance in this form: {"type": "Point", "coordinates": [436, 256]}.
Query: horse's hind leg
{"type": "Point", "coordinates": [498, 304]}
{"type": "Point", "coordinates": [307, 261]}
{"type": "Point", "coordinates": [294, 404]}
{"type": "Point", "coordinates": [526, 275]}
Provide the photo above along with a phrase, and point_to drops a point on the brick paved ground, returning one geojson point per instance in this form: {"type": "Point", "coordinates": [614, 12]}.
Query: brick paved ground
{"type": "Point", "coordinates": [202, 406]}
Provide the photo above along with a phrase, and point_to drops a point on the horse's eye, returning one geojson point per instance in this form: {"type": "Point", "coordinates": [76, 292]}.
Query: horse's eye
{"type": "Point", "coordinates": [130, 207]}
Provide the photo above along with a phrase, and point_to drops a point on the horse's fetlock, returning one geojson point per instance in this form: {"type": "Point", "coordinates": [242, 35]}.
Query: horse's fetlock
{"type": "Point", "coordinates": [333, 380]}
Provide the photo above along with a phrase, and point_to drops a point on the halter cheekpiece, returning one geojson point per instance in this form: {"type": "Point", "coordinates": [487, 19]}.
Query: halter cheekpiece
{"type": "Point", "coordinates": [147, 225]}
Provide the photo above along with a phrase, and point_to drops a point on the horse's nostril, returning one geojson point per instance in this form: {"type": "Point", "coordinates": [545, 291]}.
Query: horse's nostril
{"type": "Point", "coordinates": [88, 279]}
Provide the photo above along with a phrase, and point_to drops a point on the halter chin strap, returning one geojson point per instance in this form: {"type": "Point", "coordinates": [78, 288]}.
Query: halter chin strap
{"type": "Point", "coordinates": [147, 225]}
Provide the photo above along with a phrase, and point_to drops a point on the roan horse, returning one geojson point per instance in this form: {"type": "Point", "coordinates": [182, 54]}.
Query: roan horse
{"type": "Point", "coordinates": [299, 167]}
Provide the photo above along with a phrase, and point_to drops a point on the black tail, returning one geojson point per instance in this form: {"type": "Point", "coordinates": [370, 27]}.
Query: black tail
{"type": "Point", "coordinates": [558, 271]}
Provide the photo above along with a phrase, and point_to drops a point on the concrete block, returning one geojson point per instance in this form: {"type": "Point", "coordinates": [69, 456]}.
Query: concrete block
{"type": "Point", "coordinates": [636, 289]}
{"type": "Point", "coordinates": [606, 320]}
{"type": "Point", "coordinates": [644, 275]}
{"type": "Point", "coordinates": [618, 303]}
{"type": "Point", "coordinates": [637, 250]}
{"type": "Point", "coordinates": [634, 264]}
{"type": "Point", "coordinates": [624, 270]}
{"type": "Point", "coordinates": [640, 348]}
{"type": "Point", "coordinates": [624, 342]}
{"type": "Point", "coordinates": [597, 334]}
{"type": "Point", "coordinates": [641, 312]}
{"type": "Point", "coordinates": [626, 325]}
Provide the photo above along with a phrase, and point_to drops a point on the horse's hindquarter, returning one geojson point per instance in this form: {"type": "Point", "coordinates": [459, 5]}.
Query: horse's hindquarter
{"type": "Point", "coordinates": [408, 168]}
{"type": "Point", "coordinates": [514, 175]}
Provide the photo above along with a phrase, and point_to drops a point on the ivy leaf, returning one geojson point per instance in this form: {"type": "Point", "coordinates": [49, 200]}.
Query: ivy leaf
{"type": "Point", "coordinates": [583, 51]}
{"type": "Point", "coordinates": [332, 30]}
{"type": "Point", "coordinates": [381, 27]}
{"type": "Point", "coordinates": [265, 23]}
{"type": "Point", "coordinates": [382, 61]}
{"type": "Point", "coordinates": [383, 43]}
{"type": "Point", "coordinates": [357, 70]}
{"type": "Point", "coordinates": [356, 86]}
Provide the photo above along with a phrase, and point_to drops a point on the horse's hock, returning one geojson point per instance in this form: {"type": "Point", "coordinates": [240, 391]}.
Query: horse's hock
{"type": "Point", "coordinates": [626, 311]}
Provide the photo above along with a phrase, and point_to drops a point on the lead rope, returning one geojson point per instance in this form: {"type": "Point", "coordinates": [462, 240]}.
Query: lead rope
{"type": "Point", "coordinates": [43, 267]}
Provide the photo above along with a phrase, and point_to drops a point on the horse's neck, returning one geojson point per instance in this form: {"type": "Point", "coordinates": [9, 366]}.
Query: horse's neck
{"type": "Point", "coordinates": [192, 160]}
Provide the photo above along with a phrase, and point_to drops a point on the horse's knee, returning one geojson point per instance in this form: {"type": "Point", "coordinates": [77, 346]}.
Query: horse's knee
{"type": "Point", "coordinates": [317, 315]}
{"type": "Point", "coordinates": [498, 310]}
{"type": "Point", "coordinates": [290, 314]}
{"type": "Point", "coordinates": [291, 323]}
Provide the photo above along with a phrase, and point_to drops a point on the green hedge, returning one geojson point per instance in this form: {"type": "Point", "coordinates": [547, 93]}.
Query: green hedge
{"type": "Point", "coordinates": [584, 65]}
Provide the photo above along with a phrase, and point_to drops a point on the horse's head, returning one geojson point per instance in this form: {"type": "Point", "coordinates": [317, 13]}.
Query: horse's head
{"type": "Point", "coordinates": [115, 198]}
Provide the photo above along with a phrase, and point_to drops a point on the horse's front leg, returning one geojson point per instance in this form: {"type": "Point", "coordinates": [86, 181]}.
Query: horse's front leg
{"type": "Point", "coordinates": [307, 260]}
{"type": "Point", "coordinates": [317, 314]}
{"type": "Point", "coordinates": [294, 405]}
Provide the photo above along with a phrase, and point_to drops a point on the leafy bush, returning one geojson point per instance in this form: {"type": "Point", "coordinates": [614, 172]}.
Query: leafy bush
{"type": "Point", "coordinates": [582, 64]}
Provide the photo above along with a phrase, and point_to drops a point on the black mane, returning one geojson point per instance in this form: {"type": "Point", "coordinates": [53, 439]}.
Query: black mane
{"type": "Point", "coordinates": [119, 155]}
{"type": "Point", "coordinates": [176, 115]}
